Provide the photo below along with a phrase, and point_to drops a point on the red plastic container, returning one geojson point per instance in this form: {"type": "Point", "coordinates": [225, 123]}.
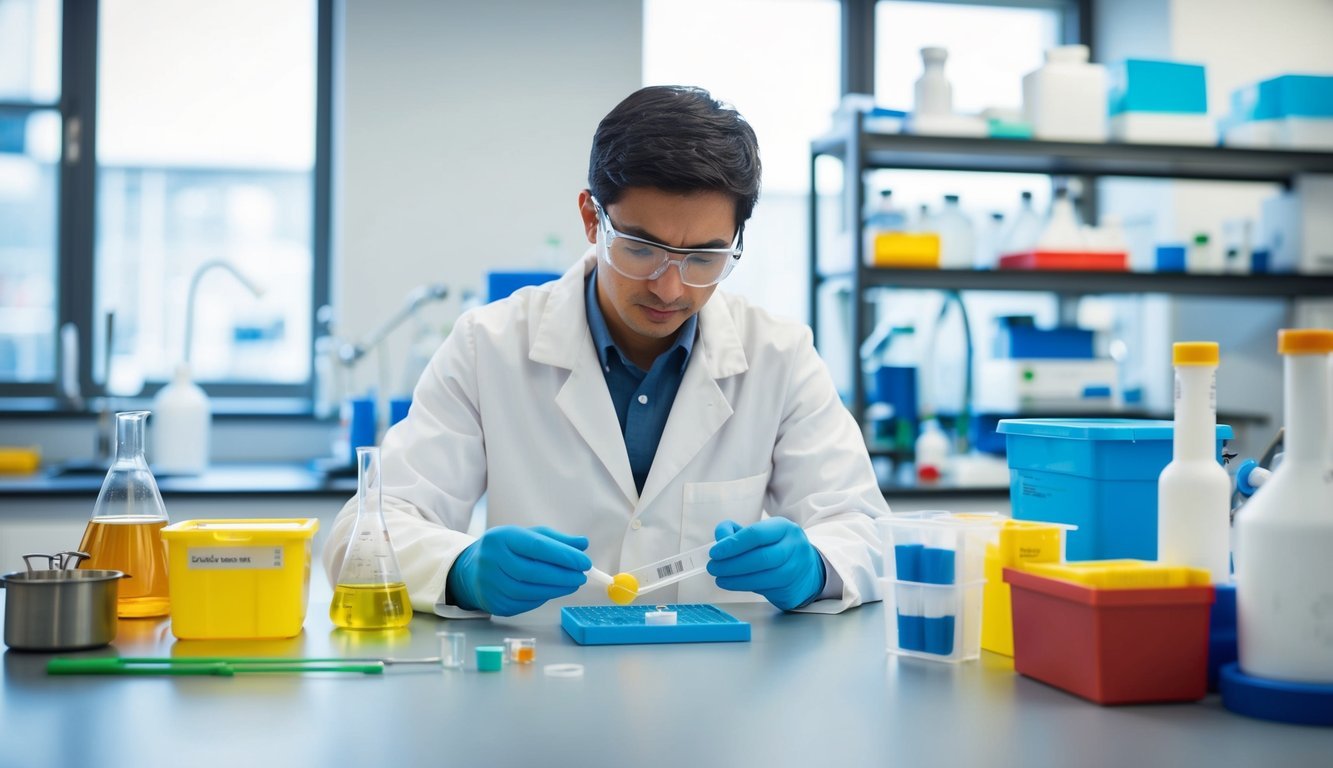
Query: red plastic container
{"type": "Point", "coordinates": [1112, 646]}
{"type": "Point", "coordinates": [1091, 261]}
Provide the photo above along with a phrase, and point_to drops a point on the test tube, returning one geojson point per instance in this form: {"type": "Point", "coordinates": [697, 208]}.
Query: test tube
{"type": "Point", "coordinates": [520, 650]}
{"type": "Point", "coordinates": [452, 648]}
{"type": "Point", "coordinates": [672, 569]}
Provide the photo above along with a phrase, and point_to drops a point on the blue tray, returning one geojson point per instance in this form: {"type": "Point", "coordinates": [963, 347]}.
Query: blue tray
{"type": "Point", "coordinates": [623, 625]}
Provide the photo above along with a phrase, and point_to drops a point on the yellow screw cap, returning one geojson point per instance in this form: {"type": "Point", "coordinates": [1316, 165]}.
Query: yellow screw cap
{"type": "Point", "coordinates": [1306, 341]}
{"type": "Point", "coordinates": [624, 588]}
{"type": "Point", "coordinates": [1194, 353]}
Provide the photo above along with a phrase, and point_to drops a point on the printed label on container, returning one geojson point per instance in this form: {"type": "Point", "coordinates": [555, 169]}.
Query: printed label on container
{"type": "Point", "coordinates": [234, 558]}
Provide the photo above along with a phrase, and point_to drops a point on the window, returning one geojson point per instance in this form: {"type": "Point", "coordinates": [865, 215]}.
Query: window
{"type": "Point", "coordinates": [776, 61]}
{"type": "Point", "coordinates": [29, 169]}
{"type": "Point", "coordinates": [210, 141]}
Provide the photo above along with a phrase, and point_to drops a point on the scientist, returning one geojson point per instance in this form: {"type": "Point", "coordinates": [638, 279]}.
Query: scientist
{"type": "Point", "coordinates": [626, 411]}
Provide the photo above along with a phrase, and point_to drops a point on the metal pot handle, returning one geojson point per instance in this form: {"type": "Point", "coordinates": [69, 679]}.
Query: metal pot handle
{"type": "Point", "coordinates": [70, 559]}
{"type": "Point", "coordinates": [50, 560]}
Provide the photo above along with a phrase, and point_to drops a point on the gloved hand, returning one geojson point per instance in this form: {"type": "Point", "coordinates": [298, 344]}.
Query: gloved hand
{"type": "Point", "coordinates": [510, 570]}
{"type": "Point", "coordinates": [772, 557]}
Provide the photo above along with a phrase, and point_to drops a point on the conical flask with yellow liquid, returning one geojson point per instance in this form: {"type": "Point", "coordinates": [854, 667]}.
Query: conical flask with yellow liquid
{"type": "Point", "coordinates": [370, 592]}
{"type": "Point", "coordinates": [125, 532]}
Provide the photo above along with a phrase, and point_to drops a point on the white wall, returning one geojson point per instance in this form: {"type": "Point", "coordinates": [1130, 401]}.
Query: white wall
{"type": "Point", "coordinates": [1240, 41]}
{"type": "Point", "coordinates": [465, 133]}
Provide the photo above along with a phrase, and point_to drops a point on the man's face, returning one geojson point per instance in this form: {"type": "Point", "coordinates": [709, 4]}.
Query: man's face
{"type": "Point", "coordinates": [644, 315]}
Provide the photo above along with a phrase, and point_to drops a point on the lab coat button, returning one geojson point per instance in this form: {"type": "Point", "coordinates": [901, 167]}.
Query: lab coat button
{"type": "Point", "coordinates": [643, 399]}
{"type": "Point", "coordinates": [636, 523]}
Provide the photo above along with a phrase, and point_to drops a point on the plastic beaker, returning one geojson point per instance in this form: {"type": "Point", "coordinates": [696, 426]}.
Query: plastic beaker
{"type": "Point", "coordinates": [125, 532]}
{"type": "Point", "coordinates": [370, 592]}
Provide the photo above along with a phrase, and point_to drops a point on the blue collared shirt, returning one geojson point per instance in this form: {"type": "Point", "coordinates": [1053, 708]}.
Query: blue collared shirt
{"type": "Point", "coordinates": [642, 398]}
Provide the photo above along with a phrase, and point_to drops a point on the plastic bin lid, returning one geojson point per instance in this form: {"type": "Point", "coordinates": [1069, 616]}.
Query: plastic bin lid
{"type": "Point", "coordinates": [1132, 430]}
{"type": "Point", "coordinates": [300, 526]}
{"type": "Point", "coordinates": [1123, 574]}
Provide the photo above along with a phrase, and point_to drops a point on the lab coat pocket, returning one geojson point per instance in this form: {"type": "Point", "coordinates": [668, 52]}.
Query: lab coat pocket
{"type": "Point", "coordinates": [706, 505]}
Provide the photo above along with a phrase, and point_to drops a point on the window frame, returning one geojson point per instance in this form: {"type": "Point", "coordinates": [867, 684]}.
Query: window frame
{"type": "Point", "coordinates": [76, 226]}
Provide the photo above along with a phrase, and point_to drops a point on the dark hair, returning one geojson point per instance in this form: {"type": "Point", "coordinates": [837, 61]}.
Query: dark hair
{"type": "Point", "coordinates": [678, 139]}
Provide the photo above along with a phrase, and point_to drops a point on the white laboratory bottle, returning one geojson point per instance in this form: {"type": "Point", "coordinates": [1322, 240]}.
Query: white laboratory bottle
{"type": "Point", "coordinates": [1193, 491]}
{"type": "Point", "coordinates": [934, 94]}
{"type": "Point", "coordinates": [957, 238]}
{"type": "Point", "coordinates": [1284, 533]}
{"type": "Point", "coordinates": [181, 420]}
{"type": "Point", "coordinates": [1062, 231]}
{"type": "Point", "coordinates": [1203, 257]}
{"type": "Point", "coordinates": [1024, 228]}
{"type": "Point", "coordinates": [990, 242]}
{"type": "Point", "coordinates": [932, 451]}
{"type": "Point", "coordinates": [884, 216]}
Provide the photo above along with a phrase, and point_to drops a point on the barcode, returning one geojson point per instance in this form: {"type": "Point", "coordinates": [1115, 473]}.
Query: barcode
{"type": "Point", "coordinates": [670, 568]}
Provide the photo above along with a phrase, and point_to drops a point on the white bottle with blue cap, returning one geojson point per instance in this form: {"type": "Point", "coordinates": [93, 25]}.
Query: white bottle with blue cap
{"type": "Point", "coordinates": [1194, 491]}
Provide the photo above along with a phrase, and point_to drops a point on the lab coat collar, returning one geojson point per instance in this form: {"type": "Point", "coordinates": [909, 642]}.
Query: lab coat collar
{"type": "Point", "coordinates": [561, 338]}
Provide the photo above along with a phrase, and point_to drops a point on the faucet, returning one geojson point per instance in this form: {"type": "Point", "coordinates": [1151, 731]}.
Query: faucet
{"type": "Point", "coordinates": [194, 290]}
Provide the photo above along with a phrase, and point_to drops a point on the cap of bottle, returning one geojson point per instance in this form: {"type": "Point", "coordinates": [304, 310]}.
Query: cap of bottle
{"type": "Point", "coordinates": [1304, 341]}
{"type": "Point", "coordinates": [1195, 353]}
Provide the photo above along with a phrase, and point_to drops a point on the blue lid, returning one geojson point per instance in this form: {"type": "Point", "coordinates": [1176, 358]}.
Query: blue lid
{"type": "Point", "coordinates": [1097, 429]}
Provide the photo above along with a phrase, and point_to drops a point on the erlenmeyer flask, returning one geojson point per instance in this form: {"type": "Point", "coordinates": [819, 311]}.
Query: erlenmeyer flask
{"type": "Point", "coordinates": [125, 532]}
{"type": "Point", "coordinates": [370, 592]}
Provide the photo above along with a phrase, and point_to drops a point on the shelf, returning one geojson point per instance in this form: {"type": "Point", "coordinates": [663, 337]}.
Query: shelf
{"type": "Point", "coordinates": [1284, 286]}
{"type": "Point", "coordinates": [1065, 158]}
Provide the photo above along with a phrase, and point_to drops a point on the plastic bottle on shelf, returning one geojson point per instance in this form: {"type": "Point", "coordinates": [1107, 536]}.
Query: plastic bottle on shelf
{"type": "Point", "coordinates": [957, 237]}
{"type": "Point", "coordinates": [925, 221]}
{"type": "Point", "coordinates": [889, 362]}
{"type": "Point", "coordinates": [1065, 99]}
{"type": "Point", "coordinates": [932, 451]}
{"type": "Point", "coordinates": [1193, 491]}
{"type": "Point", "coordinates": [884, 217]}
{"type": "Point", "coordinates": [1202, 257]}
{"type": "Point", "coordinates": [1284, 533]}
{"type": "Point", "coordinates": [990, 242]}
{"type": "Point", "coordinates": [934, 94]}
{"type": "Point", "coordinates": [1062, 231]}
{"type": "Point", "coordinates": [1024, 227]}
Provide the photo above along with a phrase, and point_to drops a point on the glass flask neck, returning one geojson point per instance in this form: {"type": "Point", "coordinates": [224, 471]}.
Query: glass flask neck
{"type": "Point", "coordinates": [129, 437]}
{"type": "Point", "coordinates": [368, 492]}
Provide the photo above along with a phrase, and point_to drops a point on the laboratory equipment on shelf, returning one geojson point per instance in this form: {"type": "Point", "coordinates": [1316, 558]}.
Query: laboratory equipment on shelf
{"type": "Point", "coordinates": [1062, 231]}
{"type": "Point", "coordinates": [932, 451]}
{"type": "Point", "coordinates": [125, 532]}
{"type": "Point", "coordinates": [1024, 227]}
{"type": "Point", "coordinates": [1284, 533]}
{"type": "Point", "coordinates": [1194, 491]}
{"type": "Point", "coordinates": [627, 585]}
{"type": "Point", "coordinates": [932, 91]}
{"type": "Point", "coordinates": [957, 236]}
{"type": "Point", "coordinates": [370, 592]}
{"type": "Point", "coordinates": [1065, 99]}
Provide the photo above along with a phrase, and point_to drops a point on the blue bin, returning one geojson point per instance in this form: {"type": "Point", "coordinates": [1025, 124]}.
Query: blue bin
{"type": "Point", "coordinates": [1098, 474]}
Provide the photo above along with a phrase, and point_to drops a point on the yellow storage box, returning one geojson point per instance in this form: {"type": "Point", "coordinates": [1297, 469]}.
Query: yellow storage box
{"type": "Point", "coordinates": [1021, 543]}
{"type": "Point", "coordinates": [241, 578]}
{"type": "Point", "coordinates": [906, 249]}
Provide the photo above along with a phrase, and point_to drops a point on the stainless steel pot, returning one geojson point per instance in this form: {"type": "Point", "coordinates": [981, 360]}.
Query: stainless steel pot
{"type": "Point", "coordinates": [60, 610]}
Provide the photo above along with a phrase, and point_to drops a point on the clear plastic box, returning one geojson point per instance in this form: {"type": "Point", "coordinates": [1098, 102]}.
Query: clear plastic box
{"type": "Point", "coordinates": [934, 575]}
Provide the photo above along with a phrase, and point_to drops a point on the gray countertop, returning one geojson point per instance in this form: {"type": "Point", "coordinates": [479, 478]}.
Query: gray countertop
{"type": "Point", "coordinates": [807, 690]}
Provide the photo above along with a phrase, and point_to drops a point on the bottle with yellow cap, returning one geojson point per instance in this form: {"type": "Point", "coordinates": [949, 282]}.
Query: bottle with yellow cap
{"type": "Point", "coordinates": [1193, 491]}
{"type": "Point", "coordinates": [1284, 534]}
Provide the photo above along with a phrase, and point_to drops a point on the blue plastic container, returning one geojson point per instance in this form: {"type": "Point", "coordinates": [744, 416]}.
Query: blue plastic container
{"type": "Point", "coordinates": [1285, 96]}
{"type": "Point", "coordinates": [501, 284]}
{"type": "Point", "coordinates": [1143, 85]}
{"type": "Point", "coordinates": [1097, 474]}
{"type": "Point", "coordinates": [1022, 341]}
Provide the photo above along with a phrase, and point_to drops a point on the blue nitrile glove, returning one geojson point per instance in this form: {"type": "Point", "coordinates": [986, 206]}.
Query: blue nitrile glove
{"type": "Point", "coordinates": [772, 557]}
{"type": "Point", "coordinates": [510, 570]}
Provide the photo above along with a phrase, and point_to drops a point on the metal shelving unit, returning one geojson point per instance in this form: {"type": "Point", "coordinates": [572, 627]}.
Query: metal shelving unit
{"type": "Point", "coordinates": [862, 150]}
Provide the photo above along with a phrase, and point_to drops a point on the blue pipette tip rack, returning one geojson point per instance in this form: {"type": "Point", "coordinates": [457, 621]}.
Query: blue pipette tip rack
{"type": "Point", "coordinates": [624, 625]}
{"type": "Point", "coordinates": [1279, 700]}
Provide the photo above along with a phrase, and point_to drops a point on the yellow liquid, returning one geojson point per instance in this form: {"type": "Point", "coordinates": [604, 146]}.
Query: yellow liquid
{"type": "Point", "coordinates": [370, 606]}
{"type": "Point", "coordinates": [132, 545]}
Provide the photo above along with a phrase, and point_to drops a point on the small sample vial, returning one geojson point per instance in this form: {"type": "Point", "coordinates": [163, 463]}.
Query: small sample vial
{"type": "Point", "coordinates": [490, 658]}
{"type": "Point", "coordinates": [520, 650]}
{"type": "Point", "coordinates": [660, 617]}
{"type": "Point", "coordinates": [452, 647]}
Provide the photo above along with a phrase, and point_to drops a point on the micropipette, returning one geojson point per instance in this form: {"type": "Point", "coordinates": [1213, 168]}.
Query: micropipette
{"type": "Point", "coordinates": [625, 586]}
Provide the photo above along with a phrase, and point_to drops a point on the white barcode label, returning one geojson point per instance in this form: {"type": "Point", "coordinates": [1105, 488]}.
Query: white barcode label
{"type": "Point", "coordinates": [670, 568]}
{"type": "Point", "coordinates": [234, 558]}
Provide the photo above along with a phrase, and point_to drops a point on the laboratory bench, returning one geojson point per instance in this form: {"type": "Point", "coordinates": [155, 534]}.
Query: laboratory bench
{"type": "Point", "coordinates": [805, 690]}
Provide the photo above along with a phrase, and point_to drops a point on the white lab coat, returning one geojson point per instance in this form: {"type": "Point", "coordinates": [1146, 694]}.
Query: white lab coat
{"type": "Point", "coordinates": [514, 405]}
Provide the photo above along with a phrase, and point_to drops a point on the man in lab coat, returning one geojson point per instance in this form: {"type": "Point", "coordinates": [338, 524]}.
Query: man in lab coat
{"type": "Point", "coordinates": [624, 412]}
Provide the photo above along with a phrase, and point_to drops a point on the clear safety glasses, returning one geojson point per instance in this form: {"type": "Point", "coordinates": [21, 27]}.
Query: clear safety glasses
{"type": "Point", "coordinates": [640, 259]}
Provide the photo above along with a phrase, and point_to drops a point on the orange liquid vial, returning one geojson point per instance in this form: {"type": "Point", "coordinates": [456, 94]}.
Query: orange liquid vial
{"type": "Point", "coordinates": [525, 655]}
{"type": "Point", "coordinates": [134, 546]}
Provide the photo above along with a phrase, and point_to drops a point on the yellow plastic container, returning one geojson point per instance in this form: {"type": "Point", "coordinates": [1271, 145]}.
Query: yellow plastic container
{"type": "Point", "coordinates": [1021, 543]}
{"type": "Point", "coordinates": [906, 249]}
{"type": "Point", "coordinates": [241, 578]}
{"type": "Point", "coordinates": [1123, 574]}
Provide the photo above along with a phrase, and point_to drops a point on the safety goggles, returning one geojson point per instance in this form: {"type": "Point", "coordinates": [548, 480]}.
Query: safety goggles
{"type": "Point", "coordinates": [640, 259]}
